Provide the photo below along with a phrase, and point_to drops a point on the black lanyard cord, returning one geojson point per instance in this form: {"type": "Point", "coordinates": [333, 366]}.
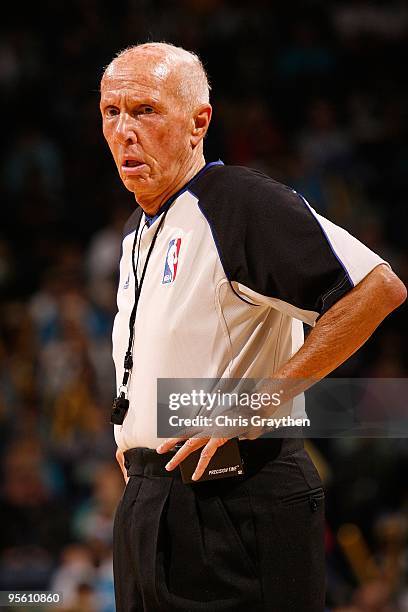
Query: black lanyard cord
{"type": "Point", "coordinates": [132, 317]}
{"type": "Point", "coordinates": [128, 361]}
{"type": "Point", "coordinates": [120, 404]}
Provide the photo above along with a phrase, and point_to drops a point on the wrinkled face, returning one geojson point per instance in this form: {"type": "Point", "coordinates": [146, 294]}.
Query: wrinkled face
{"type": "Point", "coordinates": [147, 127]}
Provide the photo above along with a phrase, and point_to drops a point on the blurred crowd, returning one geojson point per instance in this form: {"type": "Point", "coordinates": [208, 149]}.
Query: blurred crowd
{"type": "Point", "coordinates": [313, 93]}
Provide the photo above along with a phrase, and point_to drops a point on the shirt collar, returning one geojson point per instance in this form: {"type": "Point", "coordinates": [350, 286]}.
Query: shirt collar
{"type": "Point", "coordinates": [149, 220]}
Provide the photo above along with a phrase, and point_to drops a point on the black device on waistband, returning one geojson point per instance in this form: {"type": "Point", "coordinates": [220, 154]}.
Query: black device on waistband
{"type": "Point", "coordinates": [225, 463]}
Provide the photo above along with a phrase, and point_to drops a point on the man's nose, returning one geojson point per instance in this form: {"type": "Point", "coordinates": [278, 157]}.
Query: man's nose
{"type": "Point", "coordinates": [125, 132]}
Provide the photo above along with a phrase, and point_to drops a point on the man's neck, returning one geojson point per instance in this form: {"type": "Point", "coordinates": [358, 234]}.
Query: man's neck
{"type": "Point", "coordinates": [152, 206]}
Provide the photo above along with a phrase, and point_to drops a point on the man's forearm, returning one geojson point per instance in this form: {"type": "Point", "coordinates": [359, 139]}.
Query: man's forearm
{"type": "Point", "coordinates": [343, 329]}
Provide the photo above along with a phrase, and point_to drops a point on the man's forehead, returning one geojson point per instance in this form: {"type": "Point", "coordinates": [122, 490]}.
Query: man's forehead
{"type": "Point", "coordinates": [140, 67]}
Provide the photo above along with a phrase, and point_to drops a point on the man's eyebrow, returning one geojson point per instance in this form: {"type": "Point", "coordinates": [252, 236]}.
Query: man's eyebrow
{"type": "Point", "coordinates": [136, 100]}
{"type": "Point", "coordinates": [108, 97]}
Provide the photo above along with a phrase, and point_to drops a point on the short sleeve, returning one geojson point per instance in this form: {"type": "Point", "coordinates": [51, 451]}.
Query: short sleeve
{"type": "Point", "coordinates": [276, 249]}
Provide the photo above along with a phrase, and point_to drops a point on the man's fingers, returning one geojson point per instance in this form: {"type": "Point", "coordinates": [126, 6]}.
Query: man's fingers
{"type": "Point", "coordinates": [188, 447]}
{"type": "Point", "coordinates": [168, 444]}
{"type": "Point", "coordinates": [208, 451]}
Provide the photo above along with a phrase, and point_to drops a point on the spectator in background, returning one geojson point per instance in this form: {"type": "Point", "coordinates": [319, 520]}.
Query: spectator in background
{"type": "Point", "coordinates": [34, 154]}
{"type": "Point", "coordinates": [325, 145]}
{"type": "Point", "coordinates": [35, 521]}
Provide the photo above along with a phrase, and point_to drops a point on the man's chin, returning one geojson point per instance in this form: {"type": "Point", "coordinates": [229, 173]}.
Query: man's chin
{"type": "Point", "coordinates": [133, 183]}
{"type": "Point", "coordinates": [140, 187]}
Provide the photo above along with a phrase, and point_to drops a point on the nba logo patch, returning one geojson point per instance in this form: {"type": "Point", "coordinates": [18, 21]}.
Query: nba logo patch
{"type": "Point", "coordinates": [170, 265]}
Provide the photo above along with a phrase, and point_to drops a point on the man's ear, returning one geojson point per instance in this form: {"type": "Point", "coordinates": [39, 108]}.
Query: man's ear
{"type": "Point", "coordinates": [201, 121]}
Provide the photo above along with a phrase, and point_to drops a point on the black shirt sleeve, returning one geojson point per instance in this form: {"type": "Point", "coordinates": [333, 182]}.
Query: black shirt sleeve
{"type": "Point", "coordinates": [271, 242]}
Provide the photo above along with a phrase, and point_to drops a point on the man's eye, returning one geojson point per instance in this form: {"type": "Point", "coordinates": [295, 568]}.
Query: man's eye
{"type": "Point", "coordinates": [111, 111]}
{"type": "Point", "coordinates": [147, 110]}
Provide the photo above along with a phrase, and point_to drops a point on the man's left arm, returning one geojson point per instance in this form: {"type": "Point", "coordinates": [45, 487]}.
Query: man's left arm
{"type": "Point", "coordinates": [338, 333]}
{"type": "Point", "coordinates": [347, 325]}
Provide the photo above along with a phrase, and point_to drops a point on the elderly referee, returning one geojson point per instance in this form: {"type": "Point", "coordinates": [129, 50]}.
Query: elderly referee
{"type": "Point", "coordinates": [220, 268]}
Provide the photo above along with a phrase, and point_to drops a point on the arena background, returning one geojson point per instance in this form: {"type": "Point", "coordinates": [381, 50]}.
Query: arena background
{"type": "Point", "coordinates": [315, 94]}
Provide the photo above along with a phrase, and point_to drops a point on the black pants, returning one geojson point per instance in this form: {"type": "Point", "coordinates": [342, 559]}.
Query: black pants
{"type": "Point", "coordinates": [252, 542]}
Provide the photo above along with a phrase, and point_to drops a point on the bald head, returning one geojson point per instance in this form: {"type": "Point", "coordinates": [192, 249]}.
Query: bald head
{"type": "Point", "coordinates": [182, 69]}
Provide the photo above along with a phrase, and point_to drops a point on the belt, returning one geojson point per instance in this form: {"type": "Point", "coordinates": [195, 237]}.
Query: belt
{"type": "Point", "coordinates": [142, 461]}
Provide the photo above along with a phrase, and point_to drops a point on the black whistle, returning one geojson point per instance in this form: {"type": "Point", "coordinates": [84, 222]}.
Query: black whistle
{"type": "Point", "coordinates": [120, 407]}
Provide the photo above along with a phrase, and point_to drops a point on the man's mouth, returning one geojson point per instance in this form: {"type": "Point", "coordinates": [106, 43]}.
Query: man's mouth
{"type": "Point", "coordinates": [131, 163]}
{"type": "Point", "coordinates": [133, 167]}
